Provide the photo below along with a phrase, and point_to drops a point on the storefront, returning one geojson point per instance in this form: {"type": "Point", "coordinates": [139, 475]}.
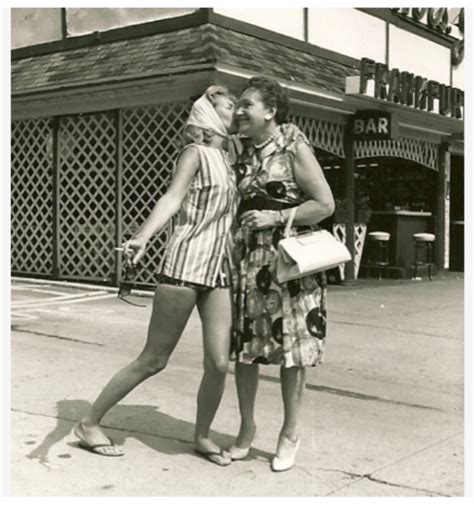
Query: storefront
{"type": "Point", "coordinates": [96, 123]}
{"type": "Point", "coordinates": [404, 129]}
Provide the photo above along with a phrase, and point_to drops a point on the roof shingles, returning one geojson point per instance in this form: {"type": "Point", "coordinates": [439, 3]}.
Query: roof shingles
{"type": "Point", "coordinates": [168, 52]}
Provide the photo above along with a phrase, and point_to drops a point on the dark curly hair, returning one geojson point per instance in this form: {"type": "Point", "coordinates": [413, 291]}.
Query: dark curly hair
{"type": "Point", "coordinates": [273, 95]}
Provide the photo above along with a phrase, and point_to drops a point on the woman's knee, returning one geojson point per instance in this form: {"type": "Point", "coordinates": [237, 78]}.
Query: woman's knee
{"type": "Point", "coordinates": [150, 364]}
{"type": "Point", "coordinates": [217, 366]}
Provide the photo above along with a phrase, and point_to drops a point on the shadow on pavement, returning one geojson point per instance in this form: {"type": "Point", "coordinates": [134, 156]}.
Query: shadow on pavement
{"type": "Point", "coordinates": [160, 432]}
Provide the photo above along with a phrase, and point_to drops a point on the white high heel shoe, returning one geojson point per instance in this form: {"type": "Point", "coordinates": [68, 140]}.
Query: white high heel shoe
{"type": "Point", "coordinates": [286, 453]}
{"type": "Point", "coordinates": [238, 453]}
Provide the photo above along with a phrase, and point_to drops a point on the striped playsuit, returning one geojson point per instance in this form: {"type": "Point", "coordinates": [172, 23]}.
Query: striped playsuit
{"type": "Point", "coordinates": [198, 247]}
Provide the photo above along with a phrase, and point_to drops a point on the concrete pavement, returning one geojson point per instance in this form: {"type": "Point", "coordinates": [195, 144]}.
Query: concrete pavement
{"type": "Point", "coordinates": [383, 416]}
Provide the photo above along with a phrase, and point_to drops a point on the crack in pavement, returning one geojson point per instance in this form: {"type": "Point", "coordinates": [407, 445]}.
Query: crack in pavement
{"type": "Point", "coordinates": [52, 335]}
{"type": "Point", "coordinates": [419, 451]}
{"type": "Point", "coordinates": [360, 477]}
{"type": "Point", "coordinates": [391, 484]}
{"type": "Point", "coordinates": [370, 477]}
{"type": "Point", "coordinates": [413, 488]}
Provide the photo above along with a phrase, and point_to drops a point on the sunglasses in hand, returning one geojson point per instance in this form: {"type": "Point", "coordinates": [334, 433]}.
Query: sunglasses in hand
{"type": "Point", "coordinates": [127, 283]}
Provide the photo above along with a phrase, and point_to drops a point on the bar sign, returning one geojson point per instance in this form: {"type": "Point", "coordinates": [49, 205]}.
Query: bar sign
{"type": "Point", "coordinates": [374, 125]}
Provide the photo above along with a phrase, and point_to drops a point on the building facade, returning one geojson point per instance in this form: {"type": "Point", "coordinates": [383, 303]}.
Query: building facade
{"type": "Point", "coordinates": [99, 98]}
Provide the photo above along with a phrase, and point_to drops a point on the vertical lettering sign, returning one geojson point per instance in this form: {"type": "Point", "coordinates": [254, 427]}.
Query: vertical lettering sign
{"type": "Point", "coordinates": [374, 125]}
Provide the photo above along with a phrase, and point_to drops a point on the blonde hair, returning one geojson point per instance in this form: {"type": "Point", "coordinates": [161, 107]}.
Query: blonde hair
{"type": "Point", "coordinates": [195, 134]}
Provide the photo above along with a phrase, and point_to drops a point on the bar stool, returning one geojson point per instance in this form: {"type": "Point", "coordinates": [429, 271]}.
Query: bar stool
{"type": "Point", "coordinates": [379, 256]}
{"type": "Point", "coordinates": [424, 240]}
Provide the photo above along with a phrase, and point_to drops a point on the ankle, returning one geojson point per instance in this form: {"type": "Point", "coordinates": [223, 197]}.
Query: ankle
{"type": "Point", "coordinates": [200, 437]}
{"type": "Point", "coordinates": [248, 425]}
{"type": "Point", "coordinates": [290, 434]}
{"type": "Point", "coordinates": [87, 422]}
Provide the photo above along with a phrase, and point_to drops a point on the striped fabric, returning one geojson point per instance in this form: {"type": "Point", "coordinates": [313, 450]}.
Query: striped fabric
{"type": "Point", "coordinates": [197, 247]}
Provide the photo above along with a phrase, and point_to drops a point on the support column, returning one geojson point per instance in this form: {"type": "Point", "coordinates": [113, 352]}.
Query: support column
{"type": "Point", "coordinates": [118, 196]}
{"type": "Point", "coordinates": [349, 197]}
{"type": "Point", "coordinates": [442, 208]}
{"type": "Point", "coordinates": [56, 196]}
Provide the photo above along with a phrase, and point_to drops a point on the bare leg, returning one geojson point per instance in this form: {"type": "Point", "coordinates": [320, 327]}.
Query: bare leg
{"type": "Point", "coordinates": [246, 379]}
{"type": "Point", "coordinates": [172, 307]}
{"type": "Point", "coordinates": [215, 311]}
{"type": "Point", "coordinates": [292, 387]}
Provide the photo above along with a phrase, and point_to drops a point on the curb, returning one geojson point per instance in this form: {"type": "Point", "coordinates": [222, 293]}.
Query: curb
{"type": "Point", "coordinates": [361, 284]}
{"type": "Point", "coordinates": [88, 287]}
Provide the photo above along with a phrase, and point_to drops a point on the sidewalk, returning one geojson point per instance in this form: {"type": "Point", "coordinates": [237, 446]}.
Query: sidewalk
{"type": "Point", "coordinates": [383, 416]}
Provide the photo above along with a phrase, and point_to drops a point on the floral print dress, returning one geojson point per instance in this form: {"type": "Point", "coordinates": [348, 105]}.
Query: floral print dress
{"type": "Point", "coordinates": [274, 323]}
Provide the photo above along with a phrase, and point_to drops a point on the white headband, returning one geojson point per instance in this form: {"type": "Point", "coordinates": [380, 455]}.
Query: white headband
{"type": "Point", "coordinates": [205, 116]}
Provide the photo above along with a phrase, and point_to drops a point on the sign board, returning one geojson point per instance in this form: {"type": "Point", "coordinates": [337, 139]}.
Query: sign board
{"type": "Point", "coordinates": [404, 88]}
{"type": "Point", "coordinates": [374, 125]}
{"type": "Point", "coordinates": [448, 21]}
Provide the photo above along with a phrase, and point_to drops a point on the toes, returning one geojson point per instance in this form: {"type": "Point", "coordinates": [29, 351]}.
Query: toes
{"type": "Point", "coordinates": [222, 459]}
{"type": "Point", "coordinates": [110, 451]}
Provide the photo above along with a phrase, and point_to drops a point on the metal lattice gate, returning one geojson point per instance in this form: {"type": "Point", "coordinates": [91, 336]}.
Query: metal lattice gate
{"type": "Point", "coordinates": [31, 197]}
{"type": "Point", "coordinates": [107, 170]}
{"type": "Point", "coordinates": [87, 167]}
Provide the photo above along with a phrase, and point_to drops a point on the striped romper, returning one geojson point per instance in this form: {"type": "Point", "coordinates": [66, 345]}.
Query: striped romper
{"type": "Point", "coordinates": [198, 247]}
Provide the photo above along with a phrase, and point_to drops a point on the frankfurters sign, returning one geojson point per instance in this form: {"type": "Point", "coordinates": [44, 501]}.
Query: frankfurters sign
{"type": "Point", "coordinates": [405, 88]}
{"type": "Point", "coordinates": [374, 125]}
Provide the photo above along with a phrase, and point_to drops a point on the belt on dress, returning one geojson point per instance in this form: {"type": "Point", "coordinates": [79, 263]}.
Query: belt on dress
{"type": "Point", "coordinates": [263, 204]}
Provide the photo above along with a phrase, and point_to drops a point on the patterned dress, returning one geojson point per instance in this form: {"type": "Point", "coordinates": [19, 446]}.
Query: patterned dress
{"type": "Point", "coordinates": [281, 324]}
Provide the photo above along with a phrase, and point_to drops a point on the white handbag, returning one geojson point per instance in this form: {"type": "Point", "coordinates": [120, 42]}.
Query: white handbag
{"type": "Point", "coordinates": [308, 253]}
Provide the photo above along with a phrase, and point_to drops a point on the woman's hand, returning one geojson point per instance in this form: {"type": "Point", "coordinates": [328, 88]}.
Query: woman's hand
{"type": "Point", "coordinates": [134, 250]}
{"type": "Point", "coordinates": [259, 219]}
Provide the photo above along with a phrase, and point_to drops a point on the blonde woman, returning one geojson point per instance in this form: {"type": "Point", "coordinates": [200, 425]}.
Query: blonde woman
{"type": "Point", "coordinates": [202, 197]}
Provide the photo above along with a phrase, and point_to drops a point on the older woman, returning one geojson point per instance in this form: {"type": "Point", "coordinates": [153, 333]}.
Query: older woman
{"type": "Point", "coordinates": [275, 324]}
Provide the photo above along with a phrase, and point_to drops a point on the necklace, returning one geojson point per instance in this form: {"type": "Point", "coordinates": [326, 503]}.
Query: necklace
{"type": "Point", "coordinates": [266, 142]}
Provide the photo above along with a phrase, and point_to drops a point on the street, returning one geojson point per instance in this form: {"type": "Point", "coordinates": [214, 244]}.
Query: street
{"type": "Point", "coordinates": [383, 416]}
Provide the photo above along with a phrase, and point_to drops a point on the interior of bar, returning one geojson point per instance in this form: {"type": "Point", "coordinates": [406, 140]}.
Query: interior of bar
{"type": "Point", "coordinates": [399, 197]}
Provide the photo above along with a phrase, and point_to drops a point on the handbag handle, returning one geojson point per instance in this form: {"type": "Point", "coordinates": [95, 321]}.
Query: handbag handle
{"type": "Point", "coordinates": [289, 223]}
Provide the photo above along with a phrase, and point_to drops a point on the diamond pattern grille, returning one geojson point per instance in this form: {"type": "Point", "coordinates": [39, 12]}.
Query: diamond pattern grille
{"type": "Point", "coordinates": [31, 197]}
{"type": "Point", "coordinates": [87, 146]}
{"type": "Point", "coordinates": [323, 135]}
{"type": "Point", "coordinates": [151, 142]}
{"type": "Point", "coordinates": [421, 152]}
